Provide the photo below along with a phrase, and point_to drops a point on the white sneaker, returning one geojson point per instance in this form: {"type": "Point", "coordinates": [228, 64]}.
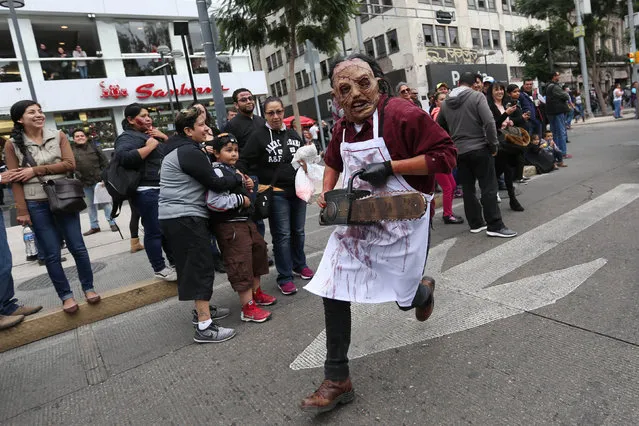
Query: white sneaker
{"type": "Point", "coordinates": [167, 274]}
{"type": "Point", "coordinates": [498, 198]}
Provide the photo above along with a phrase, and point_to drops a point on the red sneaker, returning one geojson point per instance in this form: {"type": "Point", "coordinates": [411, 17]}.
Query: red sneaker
{"type": "Point", "coordinates": [306, 273]}
{"type": "Point", "coordinates": [252, 312]}
{"type": "Point", "coordinates": [263, 299]}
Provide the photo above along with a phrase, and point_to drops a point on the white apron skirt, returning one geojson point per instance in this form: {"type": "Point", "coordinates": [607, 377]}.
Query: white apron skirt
{"type": "Point", "coordinates": [373, 263]}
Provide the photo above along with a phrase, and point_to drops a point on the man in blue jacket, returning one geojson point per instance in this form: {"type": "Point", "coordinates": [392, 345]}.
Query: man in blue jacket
{"type": "Point", "coordinates": [534, 126]}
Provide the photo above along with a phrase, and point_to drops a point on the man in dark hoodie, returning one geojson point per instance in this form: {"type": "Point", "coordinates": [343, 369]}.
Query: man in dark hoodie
{"type": "Point", "coordinates": [466, 117]}
{"type": "Point", "coordinates": [186, 175]}
{"type": "Point", "coordinates": [556, 106]}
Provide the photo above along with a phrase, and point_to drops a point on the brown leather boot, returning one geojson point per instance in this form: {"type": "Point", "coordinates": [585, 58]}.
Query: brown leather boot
{"type": "Point", "coordinates": [423, 312]}
{"type": "Point", "coordinates": [135, 245]}
{"type": "Point", "coordinates": [328, 395]}
{"type": "Point", "coordinates": [7, 321]}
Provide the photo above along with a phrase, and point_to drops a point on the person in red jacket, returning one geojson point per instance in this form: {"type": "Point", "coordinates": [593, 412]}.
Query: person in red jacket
{"type": "Point", "coordinates": [401, 149]}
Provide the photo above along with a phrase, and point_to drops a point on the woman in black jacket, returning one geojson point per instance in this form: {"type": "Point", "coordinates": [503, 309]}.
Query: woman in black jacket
{"type": "Point", "coordinates": [506, 160]}
{"type": "Point", "coordinates": [269, 155]}
{"type": "Point", "coordinates": [139, 148]}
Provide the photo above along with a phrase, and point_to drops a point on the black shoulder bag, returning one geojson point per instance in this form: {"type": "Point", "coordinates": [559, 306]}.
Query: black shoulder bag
{"type": "Point", "coordinates": [66, 195]}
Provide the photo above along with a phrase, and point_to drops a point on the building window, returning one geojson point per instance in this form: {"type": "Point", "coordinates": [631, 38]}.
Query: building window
{"type": "Point", "coordinates": [269, 66]}
{"type": "Point", "coordinates": [387, 5]}
{"type": "Point", "coordinates": [472, 4]}
{"type": "Point", "coordinates": [517, 72]}
{"type": "Point", "coordinates": [429, 40]}
{"type": "Point", "coordinates": [278, 54]}
{"type": "Point", "coordinates": [441, 35]}
{"type": "Point", "coordinates": [324, 69]}
{"type": "Point", "coordinates": [393, 43]}
{"type": "Point", "coordinates": [474, 34]}
{"type": "Point", "coordinates": [436, 2]}
{"type": "Point", "coordinates": [142, 36]}
{"type": "Point", "coordinates": [485, 39]}
{"type": "Point", "coordinates": [200, 66]}
{"type": "Point", "coordinates": [452, 36]}
{"type": "Point", "coordinates": [306, 78]}
{"type": "Point", "coordinates": [380, 44]}
{"type": "Point", "coordinates": [449, 3]}
{"type": "Point", "coordinates": [363, 12]}
{"type": "Point", "coordinates": [298, 81]}
{"type": "Point", "coordinates": [284, 88]}
{"type": "Point", "coordinates": [481, 4]}
{"type": "Point", "coordinates": [504, 6]}
{"type": "Point", "coordinates": [9, 70]}
{"type": "Point", "coordinates": [273, 90]}
{"type": "Point", "coordinates": [509, 39]}
{"type": "Point", "coordinates": [375, 7]}
{"type": "Point", "coordinates": [496, 43]}
{"type": "Point", "coordinates": [60, 41]}
{"type": "Point", "coordinates": [369, 49]}
{"type": "Point", "coordinates": [491, 5]}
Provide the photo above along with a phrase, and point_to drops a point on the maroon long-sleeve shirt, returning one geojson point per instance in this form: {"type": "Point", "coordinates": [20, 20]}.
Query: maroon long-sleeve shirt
{"type": "Point", "coordinates": [408, 132]}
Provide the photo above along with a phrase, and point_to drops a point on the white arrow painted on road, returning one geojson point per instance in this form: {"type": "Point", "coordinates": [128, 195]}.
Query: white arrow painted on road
{"type": "Point", "coordinates": [465, 297]}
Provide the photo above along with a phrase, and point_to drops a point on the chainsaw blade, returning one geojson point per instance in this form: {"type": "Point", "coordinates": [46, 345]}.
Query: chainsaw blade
{"type": "Point", "coordinates": [387, 207]}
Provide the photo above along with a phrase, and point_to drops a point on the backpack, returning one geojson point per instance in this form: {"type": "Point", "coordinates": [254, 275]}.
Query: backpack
{"type": "Point", "coordinates": [120, 183]}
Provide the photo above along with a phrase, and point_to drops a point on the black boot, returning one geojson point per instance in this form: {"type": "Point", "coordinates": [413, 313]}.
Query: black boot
{"type": "Point", "coordinates": [514, 205]}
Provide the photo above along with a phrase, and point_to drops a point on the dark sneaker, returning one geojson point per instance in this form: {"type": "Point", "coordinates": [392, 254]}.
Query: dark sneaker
{"type": "Point", "coordinates": [328, 395]}
{"type": "Point", "coordinates": [479, 229]}
{"type": "Point", "coordinates": [502, 233]}
{"type": "Point", "coordinates": [213, 334]}
{"type": "Point", "coordinates": [306, 273]}
{"type": "Point", "coordinates": [252, 312]}
{"type": "Point", "coordinates": [451, 220]}
{"type": "Point", "coordinates": [91, 232]}
{"type": "Point", "coordinates": [515, 206]}
{"type": "Point", "coordinates": [422, 313]}
{"type": "Point", "coordinates": [288, 288]}
{"type": "Point", "coordinates": [216, 313]}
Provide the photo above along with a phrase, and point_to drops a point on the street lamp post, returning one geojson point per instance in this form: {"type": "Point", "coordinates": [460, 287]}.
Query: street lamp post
{"type": "Point", "coordinates": [13, 5]}
{"type": "Point", "coordinates": [485, 56]}
{"type": "Point", "coordinates": [164, 50]}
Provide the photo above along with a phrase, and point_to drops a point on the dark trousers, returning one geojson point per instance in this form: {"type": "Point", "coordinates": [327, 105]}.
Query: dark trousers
{"type": "Point", "coordinates": [337, 317]}
{"type": "Point", "coordinates": [8, 302]}
{"type": "Point", "coordinates": [479, 166]}
{"type": "Point", "coordinates": [134, 223]}
{"type": "Point", "coordinates": [507, 163]}
{"type": "Point", "coordinates": [146, 203]}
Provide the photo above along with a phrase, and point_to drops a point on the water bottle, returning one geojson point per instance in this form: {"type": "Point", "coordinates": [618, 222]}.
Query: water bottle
{"type": "Point", "coordinates": [29, 243]}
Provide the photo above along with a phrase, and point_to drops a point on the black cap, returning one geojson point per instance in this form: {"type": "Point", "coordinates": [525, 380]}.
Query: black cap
{"type": "Point", "coordinates": [220, 141]}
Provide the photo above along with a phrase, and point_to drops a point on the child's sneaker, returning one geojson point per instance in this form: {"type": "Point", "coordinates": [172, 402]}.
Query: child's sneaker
{"type": "Point", "coordinates": [252, 312]}
{"type": "Point", "coordinates": [305, 273]}
{"type": "Point", "coordinates": [263, 299]}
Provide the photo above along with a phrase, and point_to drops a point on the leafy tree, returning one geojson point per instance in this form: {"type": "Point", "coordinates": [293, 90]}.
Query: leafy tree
{"type": "Point", "coordinates": [532, 42]}
{"type": "Point", "coordinates": [249, 23]}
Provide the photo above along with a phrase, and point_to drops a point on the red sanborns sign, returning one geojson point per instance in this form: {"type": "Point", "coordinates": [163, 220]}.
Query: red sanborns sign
{"type": "Point", "coordinates": [148, 90]}
{"type": "Point", "coordinates": [113, 91]}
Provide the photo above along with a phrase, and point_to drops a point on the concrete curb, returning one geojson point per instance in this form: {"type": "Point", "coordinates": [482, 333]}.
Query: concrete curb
{"type": "Point", "coordinates": [114, 302]}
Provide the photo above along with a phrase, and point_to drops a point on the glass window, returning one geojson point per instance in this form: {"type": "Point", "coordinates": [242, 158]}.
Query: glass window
{"type": "Point", "coordinates": [452, 36]}
{"type": "Point", "coordinates": [9, 70]}
{"type": "Point", "coordinates": [380, 44]}
{"type": "Point", "coordinates": [63, 46]}
{"type": "Point", "coordinates": [141, 67]}
{"type": "Point", "coordinates": [324, 69]}
{"type": "Point", "coordinates": [496, 42]}
{"type": "Point", "coordinates": [363, 11]}
{"type": "Point", "coordinates": [474, 34]}
{"type": "Point", "coordinates": [306, 79]}
{"type": "Point", "coordinates": [441, 35]}
{"type": "Point", "coordinates": [200, 66]}
{"type": "Point", "coordinates": [491, 5]}
{"type": "Point", "coordinates": [284, 88]}
{"type": "Point", "coordinates": [429, 40]}
{"type": "Point", "coordinates": [517, 72]}
{"type": "Point", "coordinates": [393, 43]}
{"type": "Point", "coordinates": [368, 47]}
{"type": "Point", "coordinates": [449, 3]}
{"type": "Point", "coordinates": [485, 39]}
{"type": "Point", "coordinates": [437, 2]}
{"type": "Point", "coordinates": [387, 5]}
{"type": "Point", "coordinates": [98, 125]}
{"type": "Point", "coordinates": [472, 4]}
{"type": "Point", "coordinates": [481, 4]}
{"type": "Point", "coordinates": [298, 80]}
{"type": "Point", "coordinates": [273, 90]}
{"type": "Point", "coordinates": [278, 54]}
{"type": "Point", "coordinates": [194, 39]}
{"type": "Point", "coordinates": [509, 39]}
{"type": "Point", "coordinates": [375, 6]}
{"type": "Point", "coordinates": [142, 36]}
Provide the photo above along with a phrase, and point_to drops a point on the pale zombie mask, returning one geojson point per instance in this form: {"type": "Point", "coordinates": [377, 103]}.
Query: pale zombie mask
{"type": "Point", "coordinates": [356, 89]}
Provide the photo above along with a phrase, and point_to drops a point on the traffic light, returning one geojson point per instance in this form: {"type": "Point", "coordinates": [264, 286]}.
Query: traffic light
{"type": "Point", "coordinates": [631, 57]}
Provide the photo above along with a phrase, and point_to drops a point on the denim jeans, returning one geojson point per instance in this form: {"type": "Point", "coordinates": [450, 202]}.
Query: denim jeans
{"type": "Point", "coordinates": [475, 166]}
{"type": "Point", "coordinates": [84, 71]}
{"type": "Point", "coordinates": [617, 106]}
{"type": "Point", "coordinates": [7, 301]}
{"type": "Point", "coordinates": [558, 129]}
{"type": "Point", "coordinates": [287, 217]}
{"type": "Point", "coordinates": [93, 209]}
{"type": "Point", "coordinates": [47, 227]}
{"type": "Point", "coordinates": [146, 202]}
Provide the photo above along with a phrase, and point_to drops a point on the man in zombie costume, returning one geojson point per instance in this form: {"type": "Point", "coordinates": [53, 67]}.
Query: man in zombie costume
{"type": "Point", "coordinates": [401, 149]}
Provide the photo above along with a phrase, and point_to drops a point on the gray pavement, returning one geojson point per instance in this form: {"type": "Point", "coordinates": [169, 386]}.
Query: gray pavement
{"type": "Point", "coordinates": [571, 359]}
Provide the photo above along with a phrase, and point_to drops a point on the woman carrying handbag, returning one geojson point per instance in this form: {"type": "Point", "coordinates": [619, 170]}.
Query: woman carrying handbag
{"type": "Point", "coordinates": [51, 152]}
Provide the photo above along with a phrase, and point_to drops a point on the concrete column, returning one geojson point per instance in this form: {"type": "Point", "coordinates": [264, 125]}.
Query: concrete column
{"type": "Point", "coordinates": [31, 50]}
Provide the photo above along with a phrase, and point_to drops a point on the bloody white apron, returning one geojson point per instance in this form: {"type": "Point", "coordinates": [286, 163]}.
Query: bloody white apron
{"type": "Point", "coordinates": [373, 263]}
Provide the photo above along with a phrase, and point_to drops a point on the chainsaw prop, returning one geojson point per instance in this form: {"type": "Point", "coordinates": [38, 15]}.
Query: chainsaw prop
{"type": "Point", "coordinates": [359, 207]}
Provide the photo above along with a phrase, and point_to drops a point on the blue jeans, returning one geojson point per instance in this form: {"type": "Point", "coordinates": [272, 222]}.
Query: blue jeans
{"type": "Point", "coordinates": [93, 209]}
{"type": "Point", "coordinates": [146, 202]}
{"type": "Point", "coordinates": [558, 129]}
{"type": "Point", "coordinates": [47, 227]}
{"type": "Point", "coordinates": [7, 301]}
{"type": "Point", "coordinates": [84, 71]}
{"type": "Point", "coordinates": [617, 106]}
{"type": "Point", "coordinates": [286, 219]}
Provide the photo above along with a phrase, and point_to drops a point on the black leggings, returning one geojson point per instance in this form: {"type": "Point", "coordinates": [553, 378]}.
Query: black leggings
{"type": "Point", "coordinates": [134, 224]}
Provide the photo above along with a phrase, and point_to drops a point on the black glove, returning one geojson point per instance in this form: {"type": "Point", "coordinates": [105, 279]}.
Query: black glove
{"type": "Point", "coordinates": [377, 173]}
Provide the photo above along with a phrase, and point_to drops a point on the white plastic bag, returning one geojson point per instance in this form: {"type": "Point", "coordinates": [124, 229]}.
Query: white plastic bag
{"type": "Point", "coordinates": [101, 195]}
{"type": "Point", "coordinates": [305, 181]}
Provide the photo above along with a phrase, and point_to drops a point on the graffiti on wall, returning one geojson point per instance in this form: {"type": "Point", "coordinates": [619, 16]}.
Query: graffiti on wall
{"type": "Point", "coordinates": [450, 55]}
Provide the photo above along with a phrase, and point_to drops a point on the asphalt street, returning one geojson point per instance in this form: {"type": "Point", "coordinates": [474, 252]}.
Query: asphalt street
{"type": "Point", "coordinates": [540, 329]}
